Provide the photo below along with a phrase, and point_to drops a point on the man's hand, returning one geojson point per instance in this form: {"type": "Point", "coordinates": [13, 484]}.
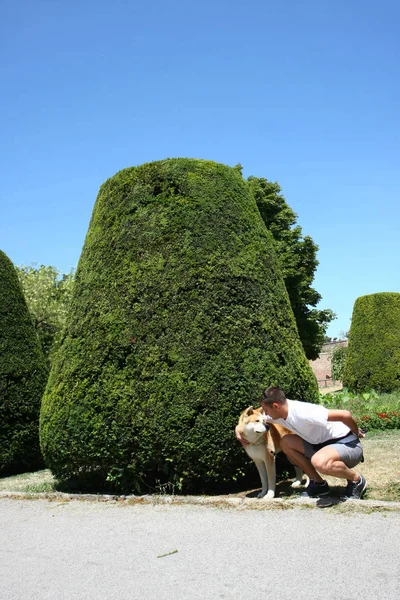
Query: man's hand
{"type": "Point", "coordinates": [241, 439]}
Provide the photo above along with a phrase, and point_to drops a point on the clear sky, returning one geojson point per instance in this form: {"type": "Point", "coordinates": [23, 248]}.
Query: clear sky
{"type": "Point", "coordinates": [303, 93]}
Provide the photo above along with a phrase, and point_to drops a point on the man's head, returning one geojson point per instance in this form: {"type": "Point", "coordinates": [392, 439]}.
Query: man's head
{"type": "Point", "coordinates": [274, 403]}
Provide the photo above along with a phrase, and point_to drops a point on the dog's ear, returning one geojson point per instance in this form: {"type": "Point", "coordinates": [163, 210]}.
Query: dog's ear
{"type": "Point", "coordinates": [250, 411]}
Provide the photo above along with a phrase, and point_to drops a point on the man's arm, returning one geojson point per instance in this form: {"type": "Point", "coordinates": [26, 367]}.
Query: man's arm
{"type": "Point", "coordinates": [241, 439]}
{"type": "Point", "coordinates": [347, 418]}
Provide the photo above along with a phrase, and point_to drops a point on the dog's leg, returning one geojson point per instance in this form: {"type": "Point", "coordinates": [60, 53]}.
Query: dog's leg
{"type": "Point", "coordinates": [260, 464]}
{"type": "Point", "coordinates": [271, 471]}
{"type": "Point", "coordinates": [299, 478]}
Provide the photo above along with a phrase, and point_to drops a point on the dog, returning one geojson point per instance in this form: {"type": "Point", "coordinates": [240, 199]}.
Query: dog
{"type": "Point", "coordinates": [264, 445]}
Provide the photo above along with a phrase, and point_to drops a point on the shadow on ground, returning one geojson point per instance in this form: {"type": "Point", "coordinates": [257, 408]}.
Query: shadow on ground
{"type": "Point", "coordinates": [285, 491]}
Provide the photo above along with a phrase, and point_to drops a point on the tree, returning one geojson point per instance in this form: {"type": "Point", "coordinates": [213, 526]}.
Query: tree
{"type": "Point", "coordinates": [179, 319]}
{"type": "Point", "coordinates": [338, 362]}
{"type": "Point", "coordinates": [297, 257]}
{"type": "Point", "coordinates": [23, 375]}
{"type": "Point", "coordinates": [373, 357]}
{"type": "Point", "coordinates": [48, 295]}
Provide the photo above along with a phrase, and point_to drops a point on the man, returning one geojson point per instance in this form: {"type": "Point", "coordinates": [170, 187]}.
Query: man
{"type": "Point", "coordinates": [325, 441]}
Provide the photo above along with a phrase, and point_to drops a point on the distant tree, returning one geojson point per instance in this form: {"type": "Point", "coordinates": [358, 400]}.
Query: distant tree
{"type": "Point", "coordinates": [297, 256]}
{"type": "Point", "coordinates": [48, 295]}
{"type": "Point", "coordinates": [23, 376]}
{"type": "Point", "coordinates": [338, 362]}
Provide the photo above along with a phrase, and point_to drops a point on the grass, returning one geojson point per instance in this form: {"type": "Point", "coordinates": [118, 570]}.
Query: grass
{"type": "Point", "coordinates": [382, 465]}
{"type": "Point", "coordinates": [381, 469]}
{"type": "Point", "coordinates": [40, 481]}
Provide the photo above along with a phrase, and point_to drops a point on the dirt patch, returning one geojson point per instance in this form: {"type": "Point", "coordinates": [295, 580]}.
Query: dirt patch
{"type": "Point", "coordinates": [330, 389]}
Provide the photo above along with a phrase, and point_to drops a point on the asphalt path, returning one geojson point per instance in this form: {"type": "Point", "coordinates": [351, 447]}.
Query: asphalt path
{"type": "Point", "coordinates": [94, 551]}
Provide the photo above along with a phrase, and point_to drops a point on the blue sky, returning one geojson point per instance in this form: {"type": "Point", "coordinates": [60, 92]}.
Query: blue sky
{"type": "Point", "coordinates": [305, 93]}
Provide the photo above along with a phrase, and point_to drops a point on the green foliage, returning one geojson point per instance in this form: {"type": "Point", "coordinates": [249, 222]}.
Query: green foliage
{"type": "Point", "coordinates": [372, 410]}
{"type": "Point", "coordinates": [297, 257]}
{"type": "Point", "coordinates": [23, 377]}
{"type": "Point", "coordinates": [48, 296]}
{"type": "Point", "coordinates": [338, 362]}
{"type": "Point", "coordinates": [349, 400]}
{"type": "Point", "coordinates": [373, 359]}
{"type": "Point", "coordinates": [179, 319]}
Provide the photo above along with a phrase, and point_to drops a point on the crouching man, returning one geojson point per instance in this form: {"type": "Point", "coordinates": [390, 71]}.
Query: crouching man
{"type": "Point", "coordinates": [325, 441]}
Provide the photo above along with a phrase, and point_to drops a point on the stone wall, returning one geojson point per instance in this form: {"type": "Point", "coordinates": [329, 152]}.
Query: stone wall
{"type": "Point", "coordinates": [322, 366]}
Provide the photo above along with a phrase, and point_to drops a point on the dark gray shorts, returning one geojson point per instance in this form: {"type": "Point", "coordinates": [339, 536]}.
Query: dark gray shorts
{"type": "Point", "coordinates": [350, 453]}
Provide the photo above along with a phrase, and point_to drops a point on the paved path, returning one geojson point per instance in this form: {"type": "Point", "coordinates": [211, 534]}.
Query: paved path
{"type": "Point", "coordinates": [103, 550]}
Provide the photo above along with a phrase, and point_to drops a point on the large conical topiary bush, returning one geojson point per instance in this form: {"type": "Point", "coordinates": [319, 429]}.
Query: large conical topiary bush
{"type": "Point", "coordinates": [23, 377]}
{"type": "Point", "coordinates": [179, 319]}
{"type": "Point", "coordinates": [373, 356]}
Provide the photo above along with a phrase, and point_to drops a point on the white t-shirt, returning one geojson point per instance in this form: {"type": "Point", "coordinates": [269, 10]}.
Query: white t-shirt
{"type": "Point", "coordinates": [310, 422]}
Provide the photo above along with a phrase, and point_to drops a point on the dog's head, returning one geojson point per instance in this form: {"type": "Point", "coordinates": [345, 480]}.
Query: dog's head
{"type": "Point", "coordinates": [251, 421]}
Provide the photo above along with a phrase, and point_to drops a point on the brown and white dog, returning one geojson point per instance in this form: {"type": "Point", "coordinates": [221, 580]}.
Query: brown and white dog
{"type": "Point", "coordinates": [264, 444]}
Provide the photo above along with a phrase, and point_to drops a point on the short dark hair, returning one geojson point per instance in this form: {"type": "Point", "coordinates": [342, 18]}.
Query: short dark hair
{"type": "Point", "coordinates": [273, 394]}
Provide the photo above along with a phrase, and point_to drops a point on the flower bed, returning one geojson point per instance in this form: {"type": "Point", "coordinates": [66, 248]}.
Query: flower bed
{"type": "Point", "coordinates": [373, 411]}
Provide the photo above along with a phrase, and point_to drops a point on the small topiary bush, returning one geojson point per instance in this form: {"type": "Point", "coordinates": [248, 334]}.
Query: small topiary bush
{"type": "Point", "coordinates": [373, 357]}
{"type": "Point", "coordinates": [23, 377]}
{"type": "Point", "coordinates": [179, 319]}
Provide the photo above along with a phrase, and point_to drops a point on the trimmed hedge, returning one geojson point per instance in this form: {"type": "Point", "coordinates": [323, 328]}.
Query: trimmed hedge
{"type": "Point", "coordinates": [373, 357]}
{"type": "Point", "coordinates": [23, 376]}
{"type": "Point", "coordinates": [179, 319]}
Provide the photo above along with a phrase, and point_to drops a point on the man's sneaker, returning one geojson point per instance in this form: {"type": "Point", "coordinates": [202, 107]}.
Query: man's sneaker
{"type": "Point", "coordinates": [355, 489]}
{"type": "Point", "coordinates": [315, 490]}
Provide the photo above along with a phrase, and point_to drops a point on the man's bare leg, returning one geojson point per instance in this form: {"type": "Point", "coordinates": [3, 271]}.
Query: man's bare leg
{"type": "Point", "coordinates": [328, 461]}
{"type": "Point", "coordinates": [292, 446]}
